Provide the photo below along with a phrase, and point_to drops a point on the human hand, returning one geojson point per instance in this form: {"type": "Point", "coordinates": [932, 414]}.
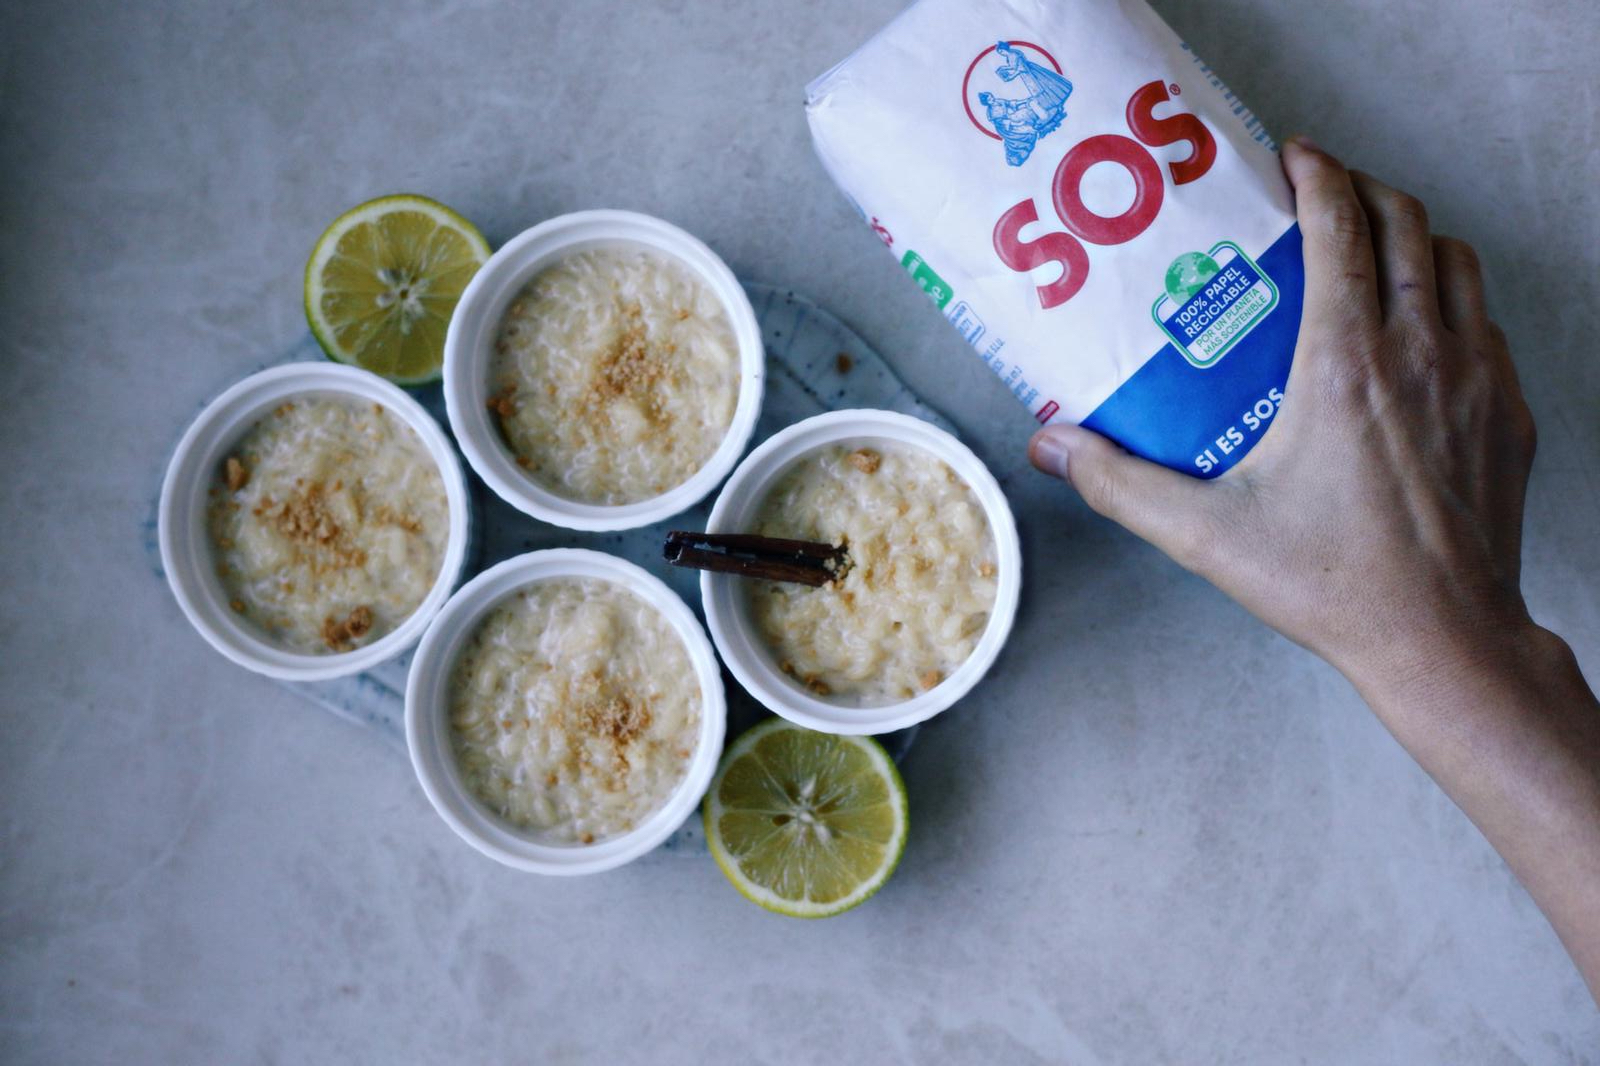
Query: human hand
{"type": "Point", "coordinates": [1379, 520]}
{"type": "Point", "coordinates": [1379, 523]}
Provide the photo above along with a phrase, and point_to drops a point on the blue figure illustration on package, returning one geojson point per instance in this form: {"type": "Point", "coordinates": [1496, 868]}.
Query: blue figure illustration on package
{"type": "Point", "coordinates": [1022, 121]}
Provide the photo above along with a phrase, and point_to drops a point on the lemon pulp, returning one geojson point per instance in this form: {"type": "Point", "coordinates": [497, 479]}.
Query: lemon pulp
{"type": "Point", "coordinates": [805, 823]}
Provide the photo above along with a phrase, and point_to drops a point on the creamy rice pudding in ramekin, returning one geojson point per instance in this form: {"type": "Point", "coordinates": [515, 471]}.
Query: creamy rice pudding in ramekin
{"type": "Point", "coordinates": [614, 376]}
{"type": "Point", "coordinates": [312, 520]}
{"type": "Point", "coordinates": [573, 709]}
{"type": "Point", "coordinates": [931, 587]}
{"type": "Point", "coordinates": [328, 521]}
{"type": "Point", "coordinates": [922, 578]}
{"type": "Point", "coordinates": [603, 371]}
{"type": "Point", "coordinates": [564, 712]}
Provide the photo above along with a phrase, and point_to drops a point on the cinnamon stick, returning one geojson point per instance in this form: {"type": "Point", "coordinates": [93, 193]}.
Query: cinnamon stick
{"type": "Point", "coordinates": [767, 558]}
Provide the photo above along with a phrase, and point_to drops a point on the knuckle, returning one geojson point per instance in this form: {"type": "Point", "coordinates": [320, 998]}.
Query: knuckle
{"type": "Point", "coordinates": [1342, 387]}
{"type": "Point", "coordinates": [1193, 544]}
{"type": "Point", "coordinates": [1458, 253]}
{"type": "Point", "coordinates": [1480, 374]}
{"type": "Point", "coordinates": [1344, 223]}
{"type": "Point", "coordinates": [1415, 319]}
{"type": "Point", "coordinates": [1428, 370]}
{"type": "Point", "coordinates": [1349, 363]}
{"type": "Point", "coordinates": [1338, 379]}
{"type": "Point", "coordinates": [1099, 489]}
{"type": "Point", "coordinates": [1408, 211]}
{"type": "Point", "coordinates": [1428, 329]}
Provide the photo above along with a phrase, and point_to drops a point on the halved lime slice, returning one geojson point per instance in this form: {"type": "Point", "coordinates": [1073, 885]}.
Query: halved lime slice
{"type": "Point", "coordinates": [383, 281]}
{"type": "Point", "coordinates": [804, 823]}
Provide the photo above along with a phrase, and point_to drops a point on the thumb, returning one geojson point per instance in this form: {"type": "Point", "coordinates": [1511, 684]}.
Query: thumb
{"type": "Point", "coordinates": [1166, 508]}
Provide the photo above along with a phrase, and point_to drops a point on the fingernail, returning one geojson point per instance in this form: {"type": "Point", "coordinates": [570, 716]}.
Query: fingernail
{"type": "Point", "coordinates": [1302, 141]}
{"type": "Point", "coordinates": [1048, 450]}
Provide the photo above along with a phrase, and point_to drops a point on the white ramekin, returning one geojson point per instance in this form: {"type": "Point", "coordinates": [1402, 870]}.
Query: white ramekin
{"type": "Point", "coordinates": [186, 553]}
{"type": "Point", "coordinates": [428, 710]}
{"type": "Point", "coordinates": [742, 649]}
{"type": "Point", "coordinates": [469, 342]}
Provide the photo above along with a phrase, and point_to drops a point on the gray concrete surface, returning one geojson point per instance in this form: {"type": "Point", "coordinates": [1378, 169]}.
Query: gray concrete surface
{"type": "Point", "coordinates": [1158, 834]}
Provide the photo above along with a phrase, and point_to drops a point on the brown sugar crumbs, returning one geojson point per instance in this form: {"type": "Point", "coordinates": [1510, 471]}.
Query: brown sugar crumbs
{"type": "Point", "coordinates": [930, 678]}
{"type": "Point", "coordinates": [503, 403]}
{"type": "Point", "coordinates": [306, 520]}
{"type": "Point", "coordinates": [866, 460]}
{"type": "Point", "coordinates": [631, 367]}
{"type": "Point", "coordinates": [387, 516]}
{"type": "Point", "coordinates": [236, 474]}
{"type": "Point", "coordinates": [617, 720]}
{"type": "Point", "coordinates": [339, 635]}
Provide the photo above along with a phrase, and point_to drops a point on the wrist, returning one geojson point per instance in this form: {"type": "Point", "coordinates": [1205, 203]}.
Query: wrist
{"type": "Point", "coordinates": [1429, 669]}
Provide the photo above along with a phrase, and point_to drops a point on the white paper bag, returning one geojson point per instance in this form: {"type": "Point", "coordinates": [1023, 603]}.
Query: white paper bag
{"type": "Point", "coordinates": [1100, 218]}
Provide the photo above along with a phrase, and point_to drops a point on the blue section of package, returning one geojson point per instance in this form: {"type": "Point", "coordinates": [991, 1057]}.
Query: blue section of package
{"type": "Point", "coordinates": [1202, 420]}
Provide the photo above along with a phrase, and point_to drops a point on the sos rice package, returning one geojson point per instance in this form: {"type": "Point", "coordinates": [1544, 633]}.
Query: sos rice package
{"type": "Point", "coordinates": [1088, 205]}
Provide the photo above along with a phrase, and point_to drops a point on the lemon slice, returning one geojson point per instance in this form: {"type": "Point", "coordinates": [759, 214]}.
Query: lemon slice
{"type": "Point", "coordinates": [804, 823]}
{"type": "Point", "coordinates": [383, 281]}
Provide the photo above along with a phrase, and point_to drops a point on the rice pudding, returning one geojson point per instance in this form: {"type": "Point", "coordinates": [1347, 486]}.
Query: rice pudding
{"type": "Point", "coordinates": [328, 522]}
{"type": "Point", "coordinates": [921, 581]}
{"type": "Point", "coordinates": [615, 375]}
{"type": "Point", "coordinates": [574, 710]}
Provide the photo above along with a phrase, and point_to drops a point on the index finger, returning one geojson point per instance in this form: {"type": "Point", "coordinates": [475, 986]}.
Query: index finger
{"type": "Point", "coordinates": [1341, 271]}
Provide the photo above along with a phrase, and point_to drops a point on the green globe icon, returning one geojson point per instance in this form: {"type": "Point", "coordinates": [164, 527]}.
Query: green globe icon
{"type": "Point", "coordinates": [1188, 274]}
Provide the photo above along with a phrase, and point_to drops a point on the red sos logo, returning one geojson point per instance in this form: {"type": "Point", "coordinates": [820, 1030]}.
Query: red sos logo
{"type": "Point", "coordinates": [1082, 224]}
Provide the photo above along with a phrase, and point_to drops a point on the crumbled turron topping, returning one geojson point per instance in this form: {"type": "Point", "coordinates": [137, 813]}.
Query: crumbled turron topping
{"type": "Point", "coordinates": [615, 719]}
{"type": "Point", "coordinates": [306, 520]}
{"type": "Point", "coordinates": [237, 476]}
{"type": "Point", "coordinates": [340, 635]}
{"type": "Point", "coordinates": [386, 516]}
{"type": "Point", "coordinates": [810, 681]}
{"type": "Point", "coordinates": [503, 403]}
{"type": "Point", "coordinates": [630, 368]}
{"type": "Point", "coordinates": [866, 460]}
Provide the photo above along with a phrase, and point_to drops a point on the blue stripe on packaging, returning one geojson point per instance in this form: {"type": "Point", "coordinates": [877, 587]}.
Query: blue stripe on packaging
{"type": "Point", "coordinates": [1191, 418]}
